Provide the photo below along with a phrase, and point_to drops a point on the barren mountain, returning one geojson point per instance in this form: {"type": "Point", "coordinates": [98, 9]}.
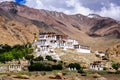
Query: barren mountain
{"type": "Point", "coordinates": [13, 32]}
{"type": "Point", "coordinates": [92, 30]}
{"type": "Point", "coordinates": [114, 53]}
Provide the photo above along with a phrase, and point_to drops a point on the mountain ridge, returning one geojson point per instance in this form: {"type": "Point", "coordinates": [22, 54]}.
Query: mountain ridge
{"type": "Point", "coordinates": [87, 30]}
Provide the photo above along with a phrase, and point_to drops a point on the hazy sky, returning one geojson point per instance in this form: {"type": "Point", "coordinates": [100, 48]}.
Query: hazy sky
{"type": "Point", "coordinates": [106, 8]}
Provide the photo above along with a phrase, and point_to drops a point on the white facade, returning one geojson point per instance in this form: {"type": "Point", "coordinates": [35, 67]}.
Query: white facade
{"type": "Point", "coordinates": [82, 49]}
{"type": "Point", "coordinates": [14, 68]}
{"type": "Point", "coordinates": [96, 66]}
{"type": "Point", "coordinates": [101, 54]}
{"type": "Point", "coordinates": [48, 41]}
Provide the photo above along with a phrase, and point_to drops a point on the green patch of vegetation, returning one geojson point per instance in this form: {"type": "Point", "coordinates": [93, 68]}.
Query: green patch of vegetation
{"type": "Point", "coordinates": [57, 67]}
{"type": "Point", "coordinates": [1, 73]}
{"type": "Point", "coordinates": [40, 67]}
{"type": "Point", "coordinates": [49, 58]}
{"type": "Point", "coordinates": [8, 53]}
{"type": "Point", "coordinates": [39, 58]}
{"type": "Point", "coordinates": [39, 64]}
{"type": "Point", "coordinates": [115, 66]}
{"type": "Point", "coordinates": [19, 73]}
{"type": "Point", "coordinates": [101, 72]}
{"type": "Point", "coordinates": [75, 65]}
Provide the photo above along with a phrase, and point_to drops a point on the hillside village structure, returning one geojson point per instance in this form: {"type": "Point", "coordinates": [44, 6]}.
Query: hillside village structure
{"type": "Point", "coordinates": [15, 66]}
{"type": "Point", "coordinates": [48, 41]}
{"type": "Point", "coordinates": [100, 53]}
{"type": "Point", "coordinates": [97, 66]}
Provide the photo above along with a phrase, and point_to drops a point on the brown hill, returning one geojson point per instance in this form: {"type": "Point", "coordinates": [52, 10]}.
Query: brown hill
{"type": "Point", "coordinates": [95, 31]}
{"type": "Point", "coordinates": [114, 53]}
{"type": "Point", "coordinates": [14, 32]}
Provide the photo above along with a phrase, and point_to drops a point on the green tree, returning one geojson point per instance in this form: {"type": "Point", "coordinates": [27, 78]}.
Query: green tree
{"type": "Point", "coordinates": [5, 48]}
{"type": "Point", "coordinates": [57, 67]}
{"type": "Point", "coordinates": [49, 58]}
{"type": "Point", "coordinates": [40, 67]}
{"type": "Point", "coordinates": [40, 58]}
{"type": "Point", "coordinates": [7, 56]}
{"type": "Point", "coordinates": [19, 47]}
{"type": "Point", "coordinates": [115, 66]}
{"type": "Point", "coordinates": [36, 67]}
{"type": "Point", "coordinates": [29, 57]}
{"type": "Point", "coordinates": [75, 65]}
{"type": "Point", "coordinates": [48, 68]}
{"type": "Point", "coordinates": [8, 53]}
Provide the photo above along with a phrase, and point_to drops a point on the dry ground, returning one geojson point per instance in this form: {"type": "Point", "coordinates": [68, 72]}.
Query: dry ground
{"type": "Point", "coordinates": [68, 76]}
{"type": "Point", "coordinates": [74, 56]}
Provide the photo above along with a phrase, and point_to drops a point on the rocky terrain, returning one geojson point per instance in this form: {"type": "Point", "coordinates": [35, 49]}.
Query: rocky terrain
{"type": "Point", "coordinates": [89, 30]}
{"type": "Point", "coordinates": [83, 59]}
{"type": "Point", "coordinates": [14, 32]}
{"type": "Point", "coordinates": [114, 53]}
{"type": "Point", "coordinates": [60, 76]}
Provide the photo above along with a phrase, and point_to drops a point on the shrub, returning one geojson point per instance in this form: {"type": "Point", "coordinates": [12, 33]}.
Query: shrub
{"type": "Point", "coordinates": [104, 68]}
{"type": "Point", "coordinates": [40, 58]}
{"type": "Point", "coordinates": [29, 57]}
{"type": "Point", "coordinates": [115, 66]}
{"type": "Point", "coordinates": [81, 71]}
{"type": "Point", "coordinates": [36, 67]}
{"type": "Point", "coordinates": [49, 58]}
{"type": "Point", "coordinates": [40, 67]}
{"type": "Point", "coordinates": [9, 53]}
{"type": "Point", "coordinates": [118, 72]}
{"type": "Point", "coordinates": [57, 67]}
{"type": "Point", "coordinates": [75, 65]}
{"type": "Point", "coordinates": [54, 60]}
{"type": "Point", "coordinates": [48, 68]}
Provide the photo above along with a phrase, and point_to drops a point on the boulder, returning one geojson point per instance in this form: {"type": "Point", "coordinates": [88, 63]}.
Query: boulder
{"type": "Point", "coordinates": [59, 76]}
{"type": "Point", "coordinates": [96, 75]}
{"type": "Point", "coordinates": [52, 76]}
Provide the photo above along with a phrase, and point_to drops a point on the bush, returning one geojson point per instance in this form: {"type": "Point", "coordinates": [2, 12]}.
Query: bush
{"type": "Point", "coordinates": [104, 68]}
{"type": "Point", "coordinates": [57, 67]}
{"type": "Point", "coordinates": [6, 57]}
{"type": "Point", "coordinates": [49, 58]}
{"type": "Point", "coordinates": [115, 66]}
{"type": "Point", "coordinates": [40, 58]}
{"type": "Point", "coordinates": [9, 53]}
{"type": "Point", "coordinates": [40, 67]}
{"type": "Point", "coordinates": [118, 72]}
{"type": "Point", "coordinates": [36, 67]}
{"type": "Point", "coordinates": [48, 68]}
{"type": "Point", "coordinates": [81, 71]}
{"type": "Point", "coordinates": [29, 57]}
{"type": "Point", "coordinates": [75, 65]}
{"type": "Point", "coordinates": [96, 75]}
{"type": "Point", "coordinates": [5, 48]}
{"type": "Point", "coordinates": [54, 61]}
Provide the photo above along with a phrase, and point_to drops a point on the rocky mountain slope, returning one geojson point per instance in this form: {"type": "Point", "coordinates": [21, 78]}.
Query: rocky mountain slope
{"type": "Point", "coordinates": [114, 53]}
{"type": "Point", "coordinates": [14, 32]}
{"type": "Point", "coordinates": [92, 30]}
